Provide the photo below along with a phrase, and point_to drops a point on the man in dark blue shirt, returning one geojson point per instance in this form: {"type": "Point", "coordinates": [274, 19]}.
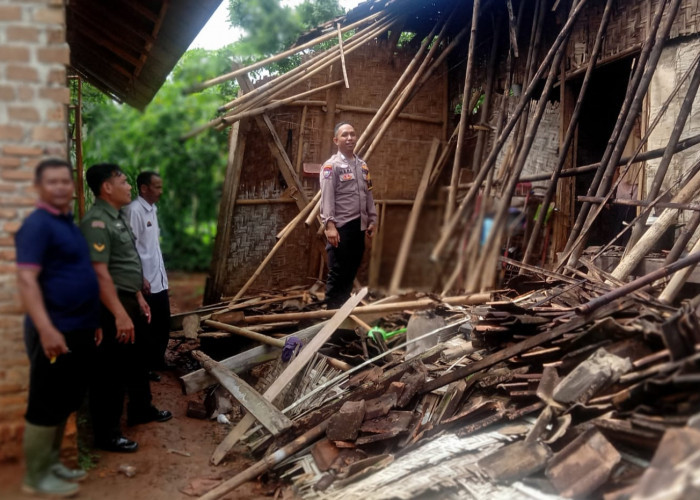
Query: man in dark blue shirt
{"type": "Point", "coordinates": [61, 295]}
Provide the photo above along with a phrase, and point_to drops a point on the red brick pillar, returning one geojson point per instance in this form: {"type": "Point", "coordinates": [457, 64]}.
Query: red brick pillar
{"type": "Point", "coordinates": [33, 109]}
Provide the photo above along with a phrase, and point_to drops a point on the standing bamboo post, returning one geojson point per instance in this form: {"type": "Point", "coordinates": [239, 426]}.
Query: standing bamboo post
{"type": "Point", "coordinates": [647, 241]}
{"type": "Point", "coordinates": [375, 261]}
{"type": "Point", "coordinates": [490, 161]}
{"type": "Point", "coordinates": [661, 170]}
{"type": "Point", "coordinates": [300, 148]}
{"type": "Point", "coordinates": [512, 29]}
{"type": "Point", "coordinates": [570, 133]}
{"type": "Point", "coordinates": [295, 222]}
{"type": "Point", "coordinates": [413, 217]}
{"type": "Point", "coordinates": [465, 112]}
{"type": "Point", "coordinates": [342, 57]}
{"type": "Point", "coordinates": [280, 56]}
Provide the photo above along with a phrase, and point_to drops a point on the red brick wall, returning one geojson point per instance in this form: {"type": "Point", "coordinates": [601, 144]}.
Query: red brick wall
{"type": "Point", "coordinates": [33, 99]}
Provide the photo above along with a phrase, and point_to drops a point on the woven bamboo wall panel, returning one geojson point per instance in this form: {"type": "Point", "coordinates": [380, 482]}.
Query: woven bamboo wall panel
{"type": "Point", "coordinates": [545, 149]}
{"type": "Point", "coordinates": [252, 238]}
{"type": "Point", "coordinates": [627, 29]}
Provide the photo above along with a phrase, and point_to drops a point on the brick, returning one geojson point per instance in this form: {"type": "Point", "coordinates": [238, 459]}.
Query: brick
{"type": "Point", "coordinates": [15, 201]}
{"type": "Point", "coordinates": [17, 175]}
{"type": "Point", "coordinates": [7, 213]}
{"type": "Point", "coordinates": [56, 94]}
{"type": "Point", "coordinates": [14, 54]}
{"type": "Point", "coordinates": [8, 254]}
{"type": "Point", "coordinates": [16, 150]}
{"type": "Point", "coordinates": [8, 388]}
{"type": "Point", "coordinates": [7, 93]}
{"type": "Point", "coordinates": [49, 16]}
{"type": "Point", "coordinates": [10, 13]}
{"type": "Point", "coordinates": [54, 36]}
{"type": "Point", "coordinates": [22, 34]}
{"type": "Point", "coordinates": [26, 93]}
{"type": "Point", "coordinates": [10, 162]}
{"type": "Point", "coordinates": [53, 134]}
{"type": "Point", "coordinates": [59, 55]}
{"type": "Point", "coordinates": [11, 132]}
{"type": "Point", "coordinates": [23, 114]}
{"type": "Point", "coordinates": [57, 114]}
{"type": "Point", "coordinates": [57, 150]}
{"type": "Point", "coordinates": [22, 73]}
{"type": "Point", "coordinates": [6, 187]}
{"type": "Point", "coordinates": [11, 308]}
{"type": "Point", "coordinates": [57, 75]}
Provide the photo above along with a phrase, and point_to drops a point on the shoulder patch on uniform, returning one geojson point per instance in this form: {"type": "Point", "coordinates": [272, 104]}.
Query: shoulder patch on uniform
{"type": "Point", "coordinates": [327, 171]}
{"type": "Point", "coordinates": [98, 247]}
{"type": "Point", "coordinates": [98, 223]}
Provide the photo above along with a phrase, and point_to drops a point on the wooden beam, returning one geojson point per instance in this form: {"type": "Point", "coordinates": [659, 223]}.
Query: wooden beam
{"type": "Point", "coordinates": [294, 367]}
{"type": "Point", "coordinates": [265, 412]}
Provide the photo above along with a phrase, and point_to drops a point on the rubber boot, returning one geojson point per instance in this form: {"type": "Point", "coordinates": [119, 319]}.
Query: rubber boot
{"type": "Point", "coordinates": [38, 449]}
{"type": "Point", "coordinates": [59, 470]}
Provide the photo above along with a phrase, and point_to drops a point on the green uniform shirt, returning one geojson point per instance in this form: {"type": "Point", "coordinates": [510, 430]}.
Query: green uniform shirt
{"type": "Point", "coordinates": [111, 241]}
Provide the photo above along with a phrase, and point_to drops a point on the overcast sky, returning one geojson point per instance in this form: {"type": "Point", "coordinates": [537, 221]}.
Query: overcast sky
{"type": "Point", "coordinates": [217, 32]}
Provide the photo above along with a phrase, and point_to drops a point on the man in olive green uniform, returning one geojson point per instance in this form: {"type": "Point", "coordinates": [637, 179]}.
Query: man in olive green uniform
{"type": "Point", "coordinates": [121, 356]}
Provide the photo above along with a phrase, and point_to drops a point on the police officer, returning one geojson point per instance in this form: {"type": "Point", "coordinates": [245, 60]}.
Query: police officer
{"type": "Point", "coordinates": [347, 213]}
{"type": "Point", "coordinates": [60, 293]}
{"type": "Point", "coordinates": [124, 315]}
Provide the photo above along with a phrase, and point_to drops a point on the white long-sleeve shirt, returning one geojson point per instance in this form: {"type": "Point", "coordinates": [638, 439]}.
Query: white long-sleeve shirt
{"type": "Point", "coordinates": [143, 219]}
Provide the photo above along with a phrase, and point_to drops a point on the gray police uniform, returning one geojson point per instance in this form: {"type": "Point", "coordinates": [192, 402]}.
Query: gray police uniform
{"type": "Point", "coordinates": [346, 200]}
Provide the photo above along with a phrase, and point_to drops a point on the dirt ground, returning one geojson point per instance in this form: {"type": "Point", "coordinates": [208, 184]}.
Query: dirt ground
{"type": "Point", "coordinates": [170, 454]}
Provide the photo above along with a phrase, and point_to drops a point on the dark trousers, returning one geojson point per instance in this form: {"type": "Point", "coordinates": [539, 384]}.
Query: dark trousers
{"type": "Point", "coordinates": [343, 263]}
{"type": "Point", "coordinates": [121, 369]}
{"type": "Point", "coordinates": [57, 389]}
{"type": "Point", "coordinates": [159, 329]}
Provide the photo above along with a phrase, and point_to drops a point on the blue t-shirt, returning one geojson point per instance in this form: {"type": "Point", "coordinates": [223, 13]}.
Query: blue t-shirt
{"type": "Point", "coordinates": [50, 241]}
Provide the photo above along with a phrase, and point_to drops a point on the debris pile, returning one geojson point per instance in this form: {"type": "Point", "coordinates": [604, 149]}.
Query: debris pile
{"type": "Point", "coordinates": [592, 396]}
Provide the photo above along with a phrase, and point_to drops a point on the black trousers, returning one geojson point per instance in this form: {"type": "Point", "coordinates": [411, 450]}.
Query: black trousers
{"type": "Point", "coordinates": [57, 389]}
{"type": "Point", "coordinates": [343, 263]}
{"type": "Point", "coordinates": [159, 329]}
{"type": "Point", "coordinates": [121, 369]}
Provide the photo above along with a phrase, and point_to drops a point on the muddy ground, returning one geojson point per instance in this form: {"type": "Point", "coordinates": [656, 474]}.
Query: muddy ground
{"type": "Point", "coordinates": [171, 455]}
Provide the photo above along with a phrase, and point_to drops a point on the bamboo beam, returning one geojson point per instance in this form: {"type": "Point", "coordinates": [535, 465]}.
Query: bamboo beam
{"type": "Point", "coordinates": [410, 229]}
{"type": "Point", "coordinates": [278, 57]}
{"type": "Point", "coordinates": [294, 222]}
{"type": "Point", "coordinates": [300, 146]}
{"type": "Point", "coordinates": [244, 332]}
{"type": "Point", "coordinates": [629, 202]}
{"type": "Point", "coordinates": [342, 57]}
{"type": "Point", "coordinates": [679, 278]}
{"type": "Point", "coordinates": [265, 412]}
{"type": "Point", "coordinates": [471, 299]}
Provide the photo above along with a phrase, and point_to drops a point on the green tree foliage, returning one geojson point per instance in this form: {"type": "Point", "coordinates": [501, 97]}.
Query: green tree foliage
{"type": "Point", "coordinates": [271, 27]}
{"type": "Point", "coordinates": [192, 170]}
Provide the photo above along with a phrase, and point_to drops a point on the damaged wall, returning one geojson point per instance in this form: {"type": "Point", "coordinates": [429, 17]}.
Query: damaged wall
{"type": "Point", "coordinates": [674, 63]}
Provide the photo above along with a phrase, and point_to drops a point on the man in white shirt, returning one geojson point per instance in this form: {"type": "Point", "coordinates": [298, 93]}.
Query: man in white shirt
{"type": "Point", "coordinates": [142, 214]}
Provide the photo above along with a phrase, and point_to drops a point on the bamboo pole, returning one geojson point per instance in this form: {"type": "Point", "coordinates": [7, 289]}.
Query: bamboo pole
{"type": "Point", "coordinates": [662, 169]}
{"type": "Point", "coordinates": [498, 144]}
{"type": "Point", "coordinates": [300, 216]}
{"type": "Point", "coordinates": [405, 93]}
{"type": "Point", "coordinates": [300, 148]}
{"type": "Point", "coordinates": [278, 57]}
{"type": "Point", "coordinates": [375, 261]}
{"type": "Point", "coordinates": [486, 262]}
{"type": "Point", "coordinates": [470, 299]}
{"type": "Point", "coordinates": [678, 279]}
{"type": "Point", "coordinates": [629, 202]}
{"type": "Point", "coordinates": [686, 234]}
{"type": "Point", "coordinates": [465, 112]}
{"type": "Point", "coordinates": [313, 214]}
{"type": "Point", "coordinates": [442, 160]}
{"type": "Point", "coordinates": [229, 119]}
{"type": "Point", "coordinates": [342, 57]}
{"type": "Point", "coordinates": [570, 133]}
{"type": "Point", "coordinates": [290, 226]}
{"type": "Point", "coordinates": [652, 235]}
{"type": "Point", "coordinates": [512, 29]}
{"type": "Point", "coordinates": [643, 75]}
{"type": "Point", "coordinates": [410, 229]}
{"type": "Point", "coordinates": [244, 332]}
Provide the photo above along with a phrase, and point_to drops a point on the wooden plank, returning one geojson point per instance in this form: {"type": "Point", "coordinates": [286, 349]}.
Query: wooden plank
{"type": "Point", "coordinates": [294, 367]}
{"type": "Point", "coordinates": [265, 412]}
{"type": "Point", "coordinates": [240, 363]}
